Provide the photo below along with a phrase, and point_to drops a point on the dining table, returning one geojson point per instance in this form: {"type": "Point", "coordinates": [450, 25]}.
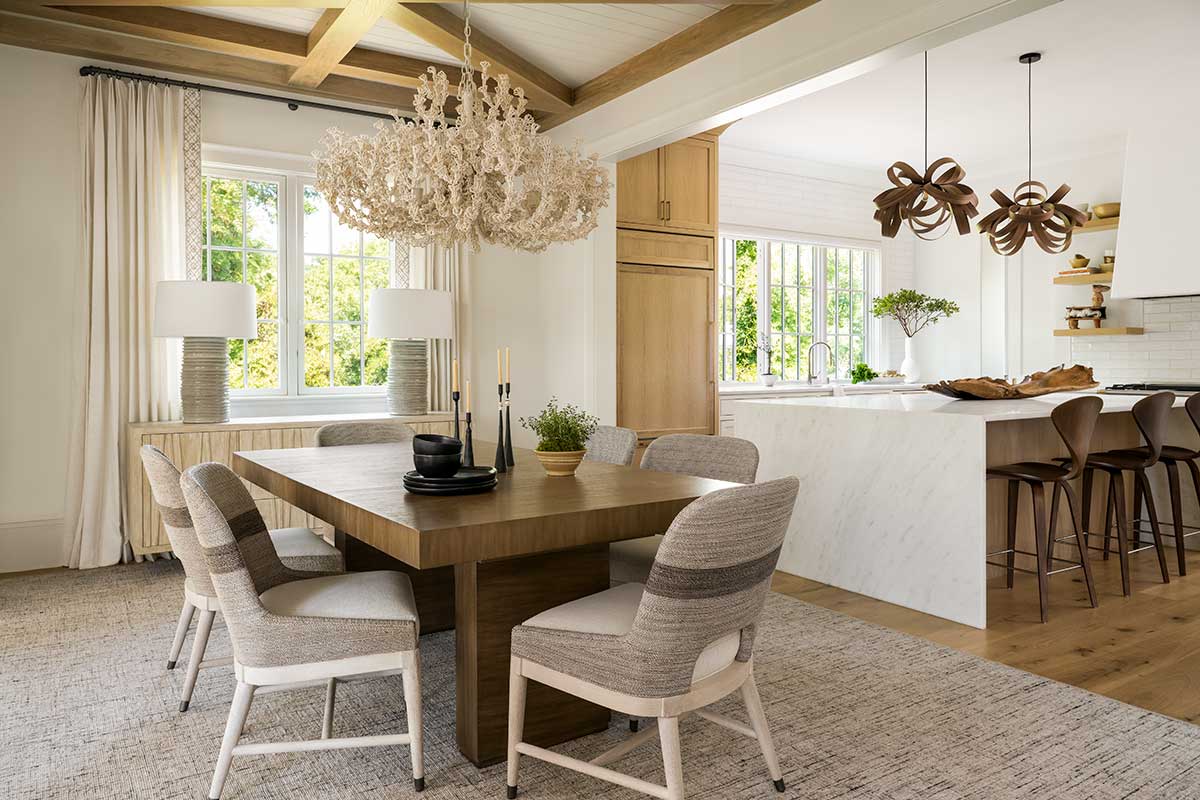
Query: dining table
{"type": "Point", "coordinates": [482, 563]}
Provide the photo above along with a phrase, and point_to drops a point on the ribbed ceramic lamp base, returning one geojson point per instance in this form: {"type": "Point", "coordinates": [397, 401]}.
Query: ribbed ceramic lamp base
{"type": "Point", "coordinates": [408, 377]}
{"type": "Point", "coordinates": [204, 382]}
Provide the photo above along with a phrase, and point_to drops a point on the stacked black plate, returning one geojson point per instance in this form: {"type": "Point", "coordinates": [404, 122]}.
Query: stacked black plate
{"type": "Point", "coordinates": [468, 480]}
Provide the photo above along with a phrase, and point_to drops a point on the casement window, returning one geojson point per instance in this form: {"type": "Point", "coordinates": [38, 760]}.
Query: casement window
{"type": "Point", "coordinates": [313, 277]}
{"type": "Point", "coordinates": [791, 294]}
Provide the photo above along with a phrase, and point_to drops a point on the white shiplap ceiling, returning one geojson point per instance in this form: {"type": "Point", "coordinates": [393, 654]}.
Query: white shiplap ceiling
{"type": "Point", "coordinates": [1096, 55]}
{"type": "Point", "coordinates": [574, 43]}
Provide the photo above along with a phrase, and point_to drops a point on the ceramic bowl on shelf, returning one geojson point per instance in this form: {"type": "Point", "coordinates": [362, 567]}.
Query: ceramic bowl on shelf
{"type": "Point", "coordinates": [434, 444]}
{"type": "Point", "coordinates": [1079, 261]}
{"type": "Point", "coordinates": [1107, 210]}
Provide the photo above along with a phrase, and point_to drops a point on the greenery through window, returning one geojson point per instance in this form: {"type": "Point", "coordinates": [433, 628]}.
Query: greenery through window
{"type": "Point", "coordinates": [791, 294]}
{"type": "Point", "coordinates": [313, 277]}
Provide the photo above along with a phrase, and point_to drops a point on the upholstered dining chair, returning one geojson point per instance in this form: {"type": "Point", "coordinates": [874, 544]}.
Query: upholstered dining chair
{"type": "Point", "coordinates": [336, 434]}
{"type": "Point", "coordinates": [299, 548]}
{"type": "Point", "coordinates": [723, 458]}
{"type": "Point", "coordinates": [289, 630]}
{"type": "Point", "coordinates": [669, 648]}
{"type": "Point", "coordinates": [611, 445]}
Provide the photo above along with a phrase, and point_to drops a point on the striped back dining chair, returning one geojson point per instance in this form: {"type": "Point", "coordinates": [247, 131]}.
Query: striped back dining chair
{"type": "Point", "coordinates": [289, 630]}
{"type": "Point", "coordinates": [336, 434]}
{"type": "Point", "coordinates": [300, 549]}
{"type": "Point", "coordinates": [675, 646]}
{"type": "Point", "coordinates": [611, 445]}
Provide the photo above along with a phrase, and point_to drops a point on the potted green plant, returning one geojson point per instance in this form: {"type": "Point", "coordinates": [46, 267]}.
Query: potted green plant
{"type": "Point", "coordinates": [913, 311]}
{"type": "Point", "coordinates": [862, 373]}
{"type": "Point", "coordinates": [767, 377]}
{"type": "Point", "coordinates": [562, 433]}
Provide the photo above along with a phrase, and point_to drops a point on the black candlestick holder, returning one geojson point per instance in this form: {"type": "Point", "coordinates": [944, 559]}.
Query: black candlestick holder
{"type": "Point", "coordinates": [508, 448]}
{"type": "Point", "coordinates": [468, 445]}
{"type": "Point", "coordinates": [454, 395]}
{"type": "Point", "coordinates": [501, 461]}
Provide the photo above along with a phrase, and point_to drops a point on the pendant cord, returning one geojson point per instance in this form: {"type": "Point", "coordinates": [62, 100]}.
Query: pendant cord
{"type": "Point", "coordinates": [1029, 118]}
{"type": "Point", "coordinates": [926, 110]}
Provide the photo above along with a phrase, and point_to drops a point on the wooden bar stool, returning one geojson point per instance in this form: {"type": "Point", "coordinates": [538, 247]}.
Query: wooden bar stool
{"type": "Point", "coordinates": [1074, 420]}
{"type": "Point", "coordinates": [1171, 457]}
{"type": "Point", "coordinates": [1150, 415]}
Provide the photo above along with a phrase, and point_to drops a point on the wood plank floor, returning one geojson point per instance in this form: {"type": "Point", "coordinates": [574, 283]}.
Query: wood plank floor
{"type": "Point", "coordinates": [1143, 650]}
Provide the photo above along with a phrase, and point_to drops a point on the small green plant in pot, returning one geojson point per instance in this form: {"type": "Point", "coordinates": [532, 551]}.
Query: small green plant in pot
{"type": "Point", "coordinates": [563, 432]}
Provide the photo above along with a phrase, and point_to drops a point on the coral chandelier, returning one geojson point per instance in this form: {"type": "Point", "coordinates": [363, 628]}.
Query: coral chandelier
{"type": "Point", "coordinates": [486, 176]}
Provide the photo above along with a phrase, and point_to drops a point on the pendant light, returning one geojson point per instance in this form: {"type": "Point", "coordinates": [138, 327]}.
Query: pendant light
{"type": "Point", "coordinates": [1030, 212]}
{"type": "Point", "coordinates": [926, 201]}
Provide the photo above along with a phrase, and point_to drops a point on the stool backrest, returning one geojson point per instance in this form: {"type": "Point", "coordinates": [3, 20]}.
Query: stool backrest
{"type": "Point", "coordinates": [1193, 409]}
{"type": "Point", "coordinates": [721, 458]}
{"type": "Point", "coordinates": [1075, 420]}
{"type": "Point", "coordinates": [172, 508]}
{"type": "Point", "coordinates": [1150, 414]}
{"type": "Point", "coordinates": [611, 445]}
{"type": "Point", "coordinates": [376, 432]}
{"type": "Point", "coordinates": [710, 578]}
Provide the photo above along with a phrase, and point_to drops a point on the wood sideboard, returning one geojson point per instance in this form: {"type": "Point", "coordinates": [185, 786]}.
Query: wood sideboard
{"type": "Point", "coordinates": [188, 444]}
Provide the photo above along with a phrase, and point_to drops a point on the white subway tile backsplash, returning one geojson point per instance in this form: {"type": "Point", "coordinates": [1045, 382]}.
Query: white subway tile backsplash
{"type": "Point", "coordinates": [1168, 350]}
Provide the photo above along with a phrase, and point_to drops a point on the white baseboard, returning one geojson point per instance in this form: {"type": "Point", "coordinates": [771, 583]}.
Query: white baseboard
{"type": "Point", "coordinates": [32, 544]}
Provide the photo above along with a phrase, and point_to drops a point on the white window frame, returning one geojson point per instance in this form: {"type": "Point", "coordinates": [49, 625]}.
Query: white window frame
{"type": "Point", "coordinates": [872, 279]}
{"type": "Point", "coordinates": [292, 397]}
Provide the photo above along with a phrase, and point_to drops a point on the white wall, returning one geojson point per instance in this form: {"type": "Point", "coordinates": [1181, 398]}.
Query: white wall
{"type": "Point", "coordinates": [952, 267]}
{"type": "Point", "coordinates": [773, 195]}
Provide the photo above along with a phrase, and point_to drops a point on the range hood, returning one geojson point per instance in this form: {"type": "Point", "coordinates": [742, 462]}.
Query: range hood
{"type": "Point", "coordinates": [1160, 205]}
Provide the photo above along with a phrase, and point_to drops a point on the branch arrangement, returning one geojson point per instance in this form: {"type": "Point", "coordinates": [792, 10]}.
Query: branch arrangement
{"type": "Point", "coordinates": [913, 310]}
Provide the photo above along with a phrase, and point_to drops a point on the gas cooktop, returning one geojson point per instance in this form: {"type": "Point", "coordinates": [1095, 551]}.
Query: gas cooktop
{"type": "Point", "coordinates": [1147, 388]}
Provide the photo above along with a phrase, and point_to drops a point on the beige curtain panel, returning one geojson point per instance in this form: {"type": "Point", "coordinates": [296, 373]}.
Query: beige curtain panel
{"type": "Point", "coordinates": [443, 268]}
{"type": "Point", "coordinates": [133, 194]}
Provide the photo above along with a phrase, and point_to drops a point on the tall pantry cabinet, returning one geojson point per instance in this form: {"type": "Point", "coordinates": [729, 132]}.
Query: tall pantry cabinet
{"type": "Point", "coordinates": [666, 289]}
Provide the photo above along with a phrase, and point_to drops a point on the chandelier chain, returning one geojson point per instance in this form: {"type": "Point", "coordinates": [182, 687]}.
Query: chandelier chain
{"type": "Point", "coordinates": [467, 37]}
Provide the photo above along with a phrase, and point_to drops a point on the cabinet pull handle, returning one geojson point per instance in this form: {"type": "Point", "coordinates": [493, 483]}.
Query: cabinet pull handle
{"type": "Point", "coordinates": [668, 210]}
{"type": "Point", "coordinates": [662, 209]}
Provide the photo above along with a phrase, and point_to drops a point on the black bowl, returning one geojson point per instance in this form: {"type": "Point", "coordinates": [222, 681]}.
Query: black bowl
{"type": "Point", "coordinates": [445, 465]}
{"type": "Point", "coordinates": [434, 444]}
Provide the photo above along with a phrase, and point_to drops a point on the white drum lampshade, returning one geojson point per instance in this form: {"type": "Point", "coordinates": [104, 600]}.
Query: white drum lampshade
{"type": "Point", "coordinates": [205, 314]}
{"type": "Point", "coordinates": [408, 317]}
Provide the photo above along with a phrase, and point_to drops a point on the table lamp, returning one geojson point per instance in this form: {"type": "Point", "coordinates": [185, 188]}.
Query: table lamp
{"type": "Point", "coordinates": [206, 314]}
{"type": "Point", "coordinates": [408, 317]}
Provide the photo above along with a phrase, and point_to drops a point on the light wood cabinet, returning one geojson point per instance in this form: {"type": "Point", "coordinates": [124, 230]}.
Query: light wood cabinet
{"type": "Point", "coordinates": [664, 249]}
{"type": "Point", "coordinates": [188, 444]}
{"type": "Point", "coordinates": [665, 350]}
{"type": "Point", "coordinates": [671, 188]}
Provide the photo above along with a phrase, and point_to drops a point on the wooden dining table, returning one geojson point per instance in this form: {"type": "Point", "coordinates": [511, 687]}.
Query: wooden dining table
{"type": "Point", "coordinates": [482, 563]}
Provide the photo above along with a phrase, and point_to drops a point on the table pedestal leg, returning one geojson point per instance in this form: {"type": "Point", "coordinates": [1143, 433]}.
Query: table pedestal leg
{"type": "Point", "coordinates": [491, 597]}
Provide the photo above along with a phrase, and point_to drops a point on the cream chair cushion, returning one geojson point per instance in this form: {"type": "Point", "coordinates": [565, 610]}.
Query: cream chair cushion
{"type": "Point", "coordinates": [630, 560]}
{"type": "Point", "coordinates": [611, 613]}
{"type": "Point", "coordinates": [304, 549]}
{"type": "Point", "coordinates": [381, 594]}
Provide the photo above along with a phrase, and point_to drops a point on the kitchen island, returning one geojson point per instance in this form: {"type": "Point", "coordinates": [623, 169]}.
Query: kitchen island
{"type": "Point", "coordinates": [894, 502]}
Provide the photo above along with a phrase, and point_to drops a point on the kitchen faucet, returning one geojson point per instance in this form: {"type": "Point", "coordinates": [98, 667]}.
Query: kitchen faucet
{"type": "Point", "coordinates": [829, 349]}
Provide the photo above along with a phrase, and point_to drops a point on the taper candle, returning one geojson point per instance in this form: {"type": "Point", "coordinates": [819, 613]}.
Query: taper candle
{"type": "Point", "coordinates": [499, 372]}
{"type": "Point", "coordinates": [454, 375]}
{"type": "Point", "coordinates": [467, 404]}
{"type": "Point", "coordinates": [507, 365]}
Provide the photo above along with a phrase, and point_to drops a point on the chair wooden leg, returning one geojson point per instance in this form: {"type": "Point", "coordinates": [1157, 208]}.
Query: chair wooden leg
{"type": "Point", "coordinates": [185, 622]}
{"type": "Point", "coordinates": [1014, 493]}
{"type": "Point", "coordinates": [1053, 525]}
{"type": "Point", "coordinates": [1039, 535]}
{"type": "Point", "coordinates": [199, 643]}
{"type": "Point", "coordinates": [1177, 514]}
{"type": "Point", "coordinates": [238, 710]}
{"type": "Point", "coordinates": [517, 685]}
{"type": "Point", "coordinates": [1135, 535]}
{"type": "Point", "coordinates": [1085, 560]}
{"type": "Point", "coordinates": [758, 720]}
{"type": "Point", "coordinates": [1089, 478]}
{"type": "Point", "coordinates": [327, 717]}
{"type": "Point", "coordinates": [1109, 503]}
{"type": "Point", "coordinates": [1117, 483]}
{"type": "Point", "coordinates": [411, 664]}
{"type": "Point", "coordinates": [1140, 479]}
{"type": "Point", "coordinates": [668, 733]}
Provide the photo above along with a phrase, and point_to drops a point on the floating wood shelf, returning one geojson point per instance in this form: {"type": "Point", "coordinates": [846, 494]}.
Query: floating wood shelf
{"type": "Point", "coordinates": [1125, 331]}
{"type": "Point", "coordinates": [1105, 278]}
{"type": "Point", "coordinates": [1093, 225]}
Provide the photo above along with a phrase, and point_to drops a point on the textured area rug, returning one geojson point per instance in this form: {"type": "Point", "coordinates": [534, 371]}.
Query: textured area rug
{"type": "Point", "coordinates": [87, 710]}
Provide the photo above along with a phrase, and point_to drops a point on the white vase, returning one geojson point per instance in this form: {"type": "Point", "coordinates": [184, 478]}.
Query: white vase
{"type": "Point", "coordinates": [909, 367]}
{"type": "Point", "coordinates": [767, 379]}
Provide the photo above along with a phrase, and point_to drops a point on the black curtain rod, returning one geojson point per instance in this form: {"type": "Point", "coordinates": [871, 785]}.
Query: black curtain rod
{"type": "Point", "coordinates": [292, 103]}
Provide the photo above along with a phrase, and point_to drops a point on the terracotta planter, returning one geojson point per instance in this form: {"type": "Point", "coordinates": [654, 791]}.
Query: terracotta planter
{"type": "Point", "coordinates": [560, 464]}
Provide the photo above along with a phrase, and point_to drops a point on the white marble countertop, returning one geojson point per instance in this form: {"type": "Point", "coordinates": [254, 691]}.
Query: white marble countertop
{"type": "Point", "coordinates": [750, 390]}
{"type": "Point", "coordinates": [931, 403]}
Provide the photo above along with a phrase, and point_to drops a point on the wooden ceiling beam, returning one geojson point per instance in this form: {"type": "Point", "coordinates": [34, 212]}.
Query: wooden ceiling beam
{"type": "Point", "coordinates": [444, 30]}
{"type": "Point", "coordinates": [89, 42]}
{"type": "Point", "coordinates": [344, 3]}
{"type": "Point", "coordinates": [334, 36]}
{"type": "Point", "coordinates": [706, 36]}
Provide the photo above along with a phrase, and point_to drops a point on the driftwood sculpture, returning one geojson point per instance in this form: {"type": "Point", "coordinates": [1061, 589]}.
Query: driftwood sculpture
{"type": "Point", "coordinates": [1059, 379]}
